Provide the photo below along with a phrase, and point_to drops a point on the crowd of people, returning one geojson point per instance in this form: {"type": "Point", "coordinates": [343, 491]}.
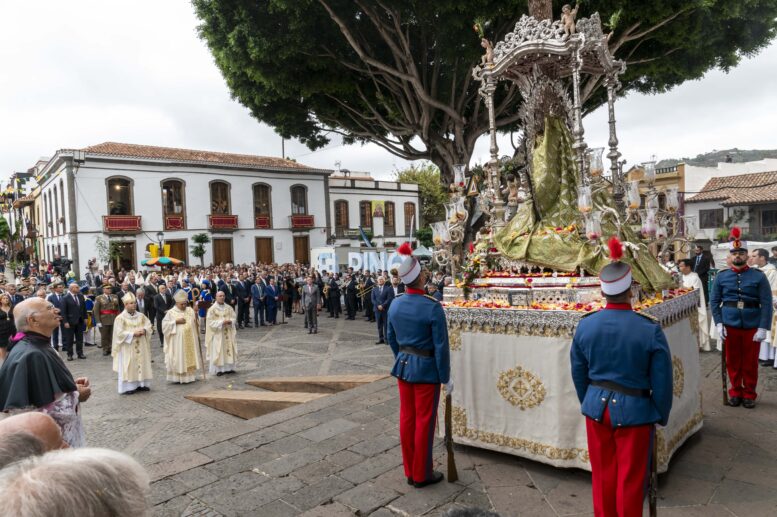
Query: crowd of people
{"type": "Point", "coordinates": [185, 307]}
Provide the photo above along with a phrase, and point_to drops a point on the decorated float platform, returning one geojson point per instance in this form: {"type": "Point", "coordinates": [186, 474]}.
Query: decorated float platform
{"type": "Point", "coordinates": [514, 392]}
{"type": "Point", "coordinates": [530, 272]}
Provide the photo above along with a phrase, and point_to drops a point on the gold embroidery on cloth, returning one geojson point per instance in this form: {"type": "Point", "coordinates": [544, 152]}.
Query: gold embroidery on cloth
{"type": "Point", "coordinates": [455, 329]}
{"type": "Point", "coordinates": [694, 320]}
{"type": "Point", "coordinates": [678, 376]}
{"type": "Point", "coordinates": [664, 448]}
{"type": "Point", "coordinates": [188, 346]}
{"type": "Point", "coordinates": [459, 418]}
{"type": "Point", "coordinates": [521, 388]}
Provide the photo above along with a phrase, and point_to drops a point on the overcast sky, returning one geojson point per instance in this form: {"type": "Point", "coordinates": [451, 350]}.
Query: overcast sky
{"type": "Point", "coordinates": [82, 72]}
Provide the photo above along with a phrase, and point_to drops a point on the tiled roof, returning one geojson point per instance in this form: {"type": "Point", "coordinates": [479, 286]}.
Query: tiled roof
{"type": "Point", "coordinates": [742, 189]}
{"type": "Point", "coordinates": [190, 155]}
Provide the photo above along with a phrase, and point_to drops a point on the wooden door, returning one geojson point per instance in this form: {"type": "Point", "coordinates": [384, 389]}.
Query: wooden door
{"type": "Point", "coordinates": [264, 252]}
{"type": "Point", "coordinates": [125, 257]}
{"type": "Point", "coordinates": [179, 249]}
{"type": "Point", "coordinates": [302, 249]}
{"type": "Point", "coordinates": [222, 251]}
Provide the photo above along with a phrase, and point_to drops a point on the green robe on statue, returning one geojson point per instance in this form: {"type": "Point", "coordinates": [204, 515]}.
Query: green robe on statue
{"type": "Point", "coordinates": [545, 241]}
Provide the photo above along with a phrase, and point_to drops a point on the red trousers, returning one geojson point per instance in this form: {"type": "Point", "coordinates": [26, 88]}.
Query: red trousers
{"type": "Point", "coordinates": [417, 417]}
{"type": "Point", "coordinates": [620, 461]}
{"type": "Point", "coordinates": [742, 362]}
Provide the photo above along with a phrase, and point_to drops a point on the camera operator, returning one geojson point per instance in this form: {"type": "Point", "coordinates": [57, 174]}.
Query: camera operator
{"type": "Point", "coordinates": [61, 265]}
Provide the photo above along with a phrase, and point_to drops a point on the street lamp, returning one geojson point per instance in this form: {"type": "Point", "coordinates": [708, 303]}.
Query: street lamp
{"type": "Point", "coordinates": [160, 237]}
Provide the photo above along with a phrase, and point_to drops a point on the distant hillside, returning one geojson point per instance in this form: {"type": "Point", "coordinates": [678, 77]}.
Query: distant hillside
{"type": "Point", "coordinates": [712, 159]}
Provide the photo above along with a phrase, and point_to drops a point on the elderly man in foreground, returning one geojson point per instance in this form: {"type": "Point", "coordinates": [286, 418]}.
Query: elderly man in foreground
{"type": "Point", "coordinates": [34, 377]}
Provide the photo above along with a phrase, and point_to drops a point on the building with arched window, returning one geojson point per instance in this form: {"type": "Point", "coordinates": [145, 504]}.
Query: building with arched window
{"type": "Point", "coordinates": [354, 200]}
{"type": "Point", "coordinates": [253, 208]}
{"type": "Point", "coordinates": [126, 194]}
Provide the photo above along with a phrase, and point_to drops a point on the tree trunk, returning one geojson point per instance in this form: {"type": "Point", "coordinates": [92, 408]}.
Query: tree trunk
{"type": "Point", "coordinates": [541, 9]}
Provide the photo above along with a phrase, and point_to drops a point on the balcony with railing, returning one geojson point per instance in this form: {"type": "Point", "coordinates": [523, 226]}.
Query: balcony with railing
{"type": "Point", "coordinates": [121, 224]}
{"type": "Point", "coordinates": [262, 222]}
{"type": "Point", "coordinates": [222, 222]}
{"type": "Point", "coordinates": [174, 222]}
{"type": "Point", "coordinates": [301, 221]}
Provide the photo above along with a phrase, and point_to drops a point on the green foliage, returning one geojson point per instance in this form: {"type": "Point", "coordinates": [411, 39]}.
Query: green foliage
{"type": "Point", "coordinates": [424, 236]}
{"type": "Point", "coordinates": [5, 230]}
{"type": "Point", "coordinates": [399, 73]}
{"type": "Point", "coordinates": [108, 251]}
{"type": "Point", "coordinates": [198, 249]}
{"type": "Point", "coordinates": [431, 192]}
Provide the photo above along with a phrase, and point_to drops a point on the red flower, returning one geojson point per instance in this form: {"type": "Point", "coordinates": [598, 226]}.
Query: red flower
{"type": "Point", "coordinates": [471, 248]}
{"type": "Point", "coordinates": [492, 250]}
{"type": "Point", "coordinates": [461, 183]}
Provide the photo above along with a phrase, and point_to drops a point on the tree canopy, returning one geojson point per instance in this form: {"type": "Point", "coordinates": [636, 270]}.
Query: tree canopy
{"type": "Point", "coordinates": [398, 73]}
{"type": "Point", "coordinates": [431, 193]}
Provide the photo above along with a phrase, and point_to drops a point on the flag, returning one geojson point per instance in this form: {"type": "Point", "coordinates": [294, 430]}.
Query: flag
{"type": "Point", "coordinates": [364, 237]}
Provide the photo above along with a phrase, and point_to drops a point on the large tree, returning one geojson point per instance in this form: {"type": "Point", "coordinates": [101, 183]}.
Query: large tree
{"type": "Point", "coordinates": [398, 73]}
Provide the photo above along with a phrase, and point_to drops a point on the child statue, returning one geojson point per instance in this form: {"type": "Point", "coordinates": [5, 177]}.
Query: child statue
{"type": "Point", "coordinates": [568, 16]}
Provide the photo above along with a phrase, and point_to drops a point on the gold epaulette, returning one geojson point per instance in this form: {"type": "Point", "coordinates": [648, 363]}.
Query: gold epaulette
{"type": "Point", "coordinates": [588, 314]}
{"type": "Point", "coordinates": [430, 297]}
{"type": "Point", "coordinates": [648, 316]}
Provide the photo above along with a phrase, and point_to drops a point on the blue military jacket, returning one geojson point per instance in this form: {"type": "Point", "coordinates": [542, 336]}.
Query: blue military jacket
{"type": "Point", "coordinates": [629, 349]}
{"type": "Point", "coordinates": [749, 285]}
{"type": "Point", "coordinates": [418, 321]}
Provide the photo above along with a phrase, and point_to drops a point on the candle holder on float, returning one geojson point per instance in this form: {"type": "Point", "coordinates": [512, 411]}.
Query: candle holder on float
{"type": "Point", "coordinates": [448, 235]}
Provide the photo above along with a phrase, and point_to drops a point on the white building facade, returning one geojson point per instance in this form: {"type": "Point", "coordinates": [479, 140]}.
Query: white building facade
{"type": "Point", "coordinates": [354, 200]}
{"type": "Point", "coordinates": [253, 208]}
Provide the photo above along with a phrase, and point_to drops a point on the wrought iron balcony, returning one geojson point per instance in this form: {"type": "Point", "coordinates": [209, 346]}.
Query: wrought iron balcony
{"type": "Point", "coordinates": [262, 221]}
{"type": "Point", "coordinates": [174, 222]}
{"type": "Point", "coordinates": [302, 222]}
{"type": "Point", "coordinates": [121, 224]}
{"type": "Point", "coordinates": [222, 222]}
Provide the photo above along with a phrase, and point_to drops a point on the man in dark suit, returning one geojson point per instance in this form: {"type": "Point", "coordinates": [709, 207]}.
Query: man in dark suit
{"type": "Point", "coordinates": [350, 297]}
{"type": "Point", "coordinates": [381, 300]}
{"type": "Point", "coordinates": [150, 290]}
{"type": "Point", "coordinates": [55, 298]}
{"type": "Point", "coordinates": [229, 294]}
{"type": "Point", "coordinates": [74, 320]}
{"type": "Point", "coordinates": [143, 306]}
{"type": "Point", "coordinates": [701, 266]}
{"type": "Point", "coordinates": [271, 302]}
{"type": "Point", "coordinates": [369, 284]}
{"type": "Point", "coordinates": [243, 295]}
{"type": "Point", "coordinates": [163, 302]}
{"type": "Point", "coordinates": [257, 297]}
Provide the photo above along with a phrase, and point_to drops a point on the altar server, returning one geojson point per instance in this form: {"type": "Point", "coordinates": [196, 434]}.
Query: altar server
{"type": "Point", "coordinates": [132, 348]}
{"type": "Point", "coordinates": [220, 337]}
{"type": "Point", "coordinates": [691, 280]}
{"type": "Point", "coordinates": [622, 371]}
{"type": "Point", "coordinates": [418, 337]}
{"type": "Point", "coordinates": [760, 260]}
{"type": "Point", "coordinates": [741, 301]}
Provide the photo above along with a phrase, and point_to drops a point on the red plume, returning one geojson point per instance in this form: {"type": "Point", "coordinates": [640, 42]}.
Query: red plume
{"type": "Point", "coordinates": [471, 248]}
{"type": "Point", "coordinates": [736, 233]}
{"type": "Point", "coordinates": [405, 249]}
{"type": "Point", "coordinates": [616, 248]}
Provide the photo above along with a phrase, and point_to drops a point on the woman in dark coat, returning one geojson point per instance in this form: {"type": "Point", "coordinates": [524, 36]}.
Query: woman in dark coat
{"type": "Point", "coordinates": [7, 327]}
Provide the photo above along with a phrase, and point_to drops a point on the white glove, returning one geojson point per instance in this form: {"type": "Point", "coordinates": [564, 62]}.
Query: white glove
{"type": "Point", "coordinates": [449, 387]}
{"type": "Point", "coordinates": [760, 335]}
{"type": "Point", "coordinates": [99, 325]}
{"type": "Point", "coordinates": [721, 330]}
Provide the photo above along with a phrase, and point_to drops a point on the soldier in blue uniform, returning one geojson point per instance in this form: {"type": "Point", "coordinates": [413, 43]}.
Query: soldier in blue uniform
{"type": "Point", "coordinates": [418, 336]}
{"type": "Point", "coordinates": [204, 303]}
{"type": "Point", "coordinates": [741, 301]}
{"type": "Point", "coordinates": [622, 371]}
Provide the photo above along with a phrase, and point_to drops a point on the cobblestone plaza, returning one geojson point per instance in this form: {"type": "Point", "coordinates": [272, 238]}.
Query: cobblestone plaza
{"type": "Point", "coordinates": [339, 455]}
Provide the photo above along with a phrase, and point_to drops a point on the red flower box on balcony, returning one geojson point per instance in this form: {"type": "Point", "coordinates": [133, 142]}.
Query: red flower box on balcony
{"type": "Point", "coordinates": [174, 222]}
{"type": "Point", "coordinates": [262, 221]}
{"type": "Point", "coordinates": [302, 222]}
{"type": "Point", "coordinates": [222, 222]}
{"type": "Point", "coordinates": [121, 223]}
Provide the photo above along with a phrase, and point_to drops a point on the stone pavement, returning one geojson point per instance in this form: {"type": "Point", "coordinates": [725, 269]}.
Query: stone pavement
{"type": "Point", "coordinates": [339, 455]}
